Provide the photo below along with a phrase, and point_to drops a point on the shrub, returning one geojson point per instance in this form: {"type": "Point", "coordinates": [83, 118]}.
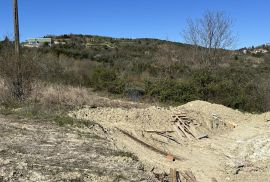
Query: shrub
{"type": "Point", "coordinates": [134, 92]}
{"type": "Point", "coordinates": [169, 90]}
{"type": "Point", "coordinates": [61, 97]}
{"type": "Point", "coordinates": [116, 87]}
{"type": "Point", "coordinates": [102, 78]}
{"type": "Point", "coordinates": [18, 74]}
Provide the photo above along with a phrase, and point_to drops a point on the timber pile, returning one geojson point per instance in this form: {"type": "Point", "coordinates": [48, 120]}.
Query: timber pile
{"type": "Point", "coordinates": [182, 124]}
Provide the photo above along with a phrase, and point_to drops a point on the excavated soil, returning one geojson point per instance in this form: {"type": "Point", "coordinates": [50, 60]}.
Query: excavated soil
{"type": "Point", "coordinates": [218, 142]}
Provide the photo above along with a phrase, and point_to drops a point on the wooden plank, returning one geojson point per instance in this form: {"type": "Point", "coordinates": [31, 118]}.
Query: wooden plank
{"type": "Point", "coordinates": [182, 130]}
{"type": "Point", "coordinates": [179, 132]}
{"type": "Point", "coordinates": [172, 176]}
{"type": "Point", "coordinates": [149, 146]}
{"type": "Point", "coordinates": [203, 136]}
{"type": "Point", "coordinates": [169, 137]}
{"type": "Point", "coordinates": [178, 177]}
{"type": "Point", "coordinates": [154, 131]}
{"type": "Point", "coordinates": [164, 134]}
{"type": "Point", "coordinates": [181, 114]}
{"type": "Point", "coordinates": [189, 132]}
{"type": "Point", "coordinates": [191, 175]}
{"type": "Point", "coordinates": [184, 118]}
{"type": "Point", "coordinates": [186, 177]}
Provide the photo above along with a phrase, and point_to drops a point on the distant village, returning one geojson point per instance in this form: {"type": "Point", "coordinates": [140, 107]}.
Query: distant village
{"type": "Point", "coordinates": [263, 49]}
{"type": "Point", "coordinates": [64, 40]}
{"type": "Point", "coordinates": [43, 42]}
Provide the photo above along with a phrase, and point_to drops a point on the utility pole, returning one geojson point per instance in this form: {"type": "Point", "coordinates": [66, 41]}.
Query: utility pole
{"type": "Point", "coordinates": [18, 90]}
{"type": "Point", "coordinates": [16, 28]}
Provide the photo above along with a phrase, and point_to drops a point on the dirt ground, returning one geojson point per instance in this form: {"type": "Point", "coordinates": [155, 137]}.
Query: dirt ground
{"type": "Point", "coordinates": [222, 144]}
{"type": "Point", "coordinates": [41, 151]}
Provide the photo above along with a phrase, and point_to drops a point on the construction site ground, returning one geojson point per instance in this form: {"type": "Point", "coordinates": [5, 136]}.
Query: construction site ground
{"type": "Point", "coordinates": [216, 143]}
{"type": "Point", "coordinates": [131, 142]}
{"type": "Point", "coordinates": [36, 151]}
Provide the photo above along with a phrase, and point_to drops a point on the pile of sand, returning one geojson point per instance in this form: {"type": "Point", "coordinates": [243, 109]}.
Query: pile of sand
{"type": "Point", "coordinates": [208, 117]}
{"type": "Point", "coordinates": [236, 141]}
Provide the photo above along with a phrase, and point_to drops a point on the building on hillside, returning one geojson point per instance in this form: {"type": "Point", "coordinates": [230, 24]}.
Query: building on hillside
{"type": "Point", "coordinates": [257, 51]}
{"type": "Point", "coordinates": [59, 42]}
{"type": "Point", "coordinates": [38, 42]}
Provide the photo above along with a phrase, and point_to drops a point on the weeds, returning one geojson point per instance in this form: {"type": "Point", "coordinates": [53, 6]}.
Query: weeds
{"type": "Point", "coordinates": [37, 112]}
{"type": "Point", "coordinates": [125, 154]}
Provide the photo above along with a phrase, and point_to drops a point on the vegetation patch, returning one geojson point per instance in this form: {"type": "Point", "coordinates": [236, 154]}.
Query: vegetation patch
{"type": "Point", "coordinates": [144, 70]}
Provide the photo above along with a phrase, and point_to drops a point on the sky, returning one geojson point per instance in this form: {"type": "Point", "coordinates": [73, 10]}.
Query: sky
{"type": "Point", "coordinates": [162, 19]}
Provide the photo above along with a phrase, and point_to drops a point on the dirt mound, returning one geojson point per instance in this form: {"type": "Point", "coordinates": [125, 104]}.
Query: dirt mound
{"type": "Point", "coordinates": [206, 117]}
{"type": "Point", "coordinates": [207, 108]}
{"type": "Point", "coordinates": [204, 137]}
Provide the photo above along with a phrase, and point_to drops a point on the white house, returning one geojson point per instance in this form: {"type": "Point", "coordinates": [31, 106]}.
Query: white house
{"type": "Point", "coordinates": [38, 42]}
{"type": "Point", "coordinates": [256, 51]}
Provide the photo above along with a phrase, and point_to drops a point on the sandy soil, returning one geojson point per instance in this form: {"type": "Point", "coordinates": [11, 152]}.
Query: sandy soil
{"type": "Point", "coordinates": [237, 147]}
{"type": "Point", "coordinates": [40, 151]}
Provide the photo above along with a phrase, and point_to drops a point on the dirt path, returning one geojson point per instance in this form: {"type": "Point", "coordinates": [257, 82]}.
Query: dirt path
{"type": "Point", "coordinates": [237, 147]}
{"type": "Point", "coordinates": [34, 151]}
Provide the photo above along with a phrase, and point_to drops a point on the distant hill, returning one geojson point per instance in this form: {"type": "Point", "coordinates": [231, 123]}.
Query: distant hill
{"type": "Point", "coordinates": [106, 49]}
{"type": "Point", "coordinates": [155, 70]}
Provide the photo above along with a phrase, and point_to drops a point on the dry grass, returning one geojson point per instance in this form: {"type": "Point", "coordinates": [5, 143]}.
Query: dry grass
{"type": "Point", "coordinates": [57, 95]}
{"type": "Point", "coordinates": [3, 91]}
{"type": "Point", "coordinates": [68, 97]}
{"type": "Point", "coordinates": [63, 98]}
{"type": "Point", "coordinates": [5, 95]}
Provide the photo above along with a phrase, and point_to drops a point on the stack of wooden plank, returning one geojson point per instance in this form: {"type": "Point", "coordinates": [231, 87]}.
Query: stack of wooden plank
{"type": "Point", "coordinates": [182, 124]}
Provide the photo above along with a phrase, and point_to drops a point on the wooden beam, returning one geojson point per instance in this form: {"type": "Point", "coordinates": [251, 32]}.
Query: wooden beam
{"type": "Point", "coordinates": [150, 146]}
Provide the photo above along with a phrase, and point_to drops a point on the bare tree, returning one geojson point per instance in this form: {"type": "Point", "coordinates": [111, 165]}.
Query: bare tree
{"type": "Point", "coordinates": [213, 31]}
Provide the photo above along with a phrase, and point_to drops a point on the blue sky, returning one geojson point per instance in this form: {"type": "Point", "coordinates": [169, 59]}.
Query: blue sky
{"type": "Point", "coordinates": [163, 19]}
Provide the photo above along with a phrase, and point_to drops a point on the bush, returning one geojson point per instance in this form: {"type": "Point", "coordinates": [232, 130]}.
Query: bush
{"type": "Point", "coordinates": [116, 87]}
{"type": "Point", "coordinates": [18, 74]}
{"type": "Point", "coordinates": [168, 90]}
{"type": "Point", "coordinates": [134, 92]}
{"type": "Point", "coordinates": [102, 78]}
{"type": "Point", "coordinates": [203, 81]}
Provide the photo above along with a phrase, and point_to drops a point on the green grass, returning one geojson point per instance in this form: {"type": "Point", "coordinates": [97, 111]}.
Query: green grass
{"type": "Point", "coordinates": [36, 112]}
{"type": "Point", "coordinates": [6, 111]}
{"type": "Point", "coordinates": [125, 154]}
{"type": "Point", "coordinates": [89, 135]}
